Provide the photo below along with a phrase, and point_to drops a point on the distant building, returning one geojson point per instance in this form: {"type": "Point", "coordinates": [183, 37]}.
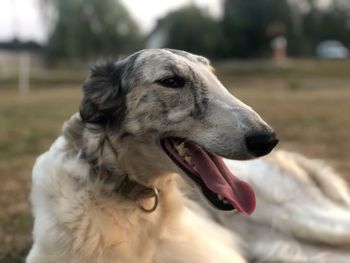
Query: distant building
{"type": "Point", "coordinates": [11, 51]}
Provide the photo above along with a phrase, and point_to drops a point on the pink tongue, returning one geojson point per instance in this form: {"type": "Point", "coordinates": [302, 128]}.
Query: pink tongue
{"type": "Point", "coordinates": [218, 178]}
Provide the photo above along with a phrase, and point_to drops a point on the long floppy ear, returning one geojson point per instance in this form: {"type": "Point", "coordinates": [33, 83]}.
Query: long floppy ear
{"type": "Point", "coordinates": [103, 99]}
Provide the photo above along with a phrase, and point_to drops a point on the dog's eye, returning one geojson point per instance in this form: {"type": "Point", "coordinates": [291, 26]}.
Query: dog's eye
{"type": "Point", "coordinates": [173, 82]}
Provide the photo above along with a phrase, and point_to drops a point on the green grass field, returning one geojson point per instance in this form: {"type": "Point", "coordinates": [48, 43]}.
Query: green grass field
{"type": "Point", "coordinates": [307, 103]}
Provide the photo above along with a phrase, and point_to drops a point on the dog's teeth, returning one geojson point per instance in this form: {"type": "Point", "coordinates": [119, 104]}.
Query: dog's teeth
{"type": "Point", "coordinates": [220, 197]}
{"type": "Point", "coordinates": [181, 149]}
{"type": "Point", "coordinates": [188, 159]}
{"type": "Point", "coordinates": [225, 201]}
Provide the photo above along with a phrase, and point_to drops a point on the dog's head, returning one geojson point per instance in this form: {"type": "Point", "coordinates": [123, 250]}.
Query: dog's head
{"type": "Point", "coordinates": [170, 101]}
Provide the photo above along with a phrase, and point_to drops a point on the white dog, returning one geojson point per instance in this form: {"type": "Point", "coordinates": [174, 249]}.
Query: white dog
{"type": "Point", "coordinates": [108, 190]}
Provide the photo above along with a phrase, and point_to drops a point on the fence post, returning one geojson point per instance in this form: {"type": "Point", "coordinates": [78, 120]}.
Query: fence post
{"type": "Point", "coordinates": [24, 72]}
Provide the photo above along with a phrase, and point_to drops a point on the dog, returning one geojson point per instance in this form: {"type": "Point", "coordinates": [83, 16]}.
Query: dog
{"type": "Point", "coordinates": [105, 191]}
{"type": "Point", "coordinates": [138, 174]}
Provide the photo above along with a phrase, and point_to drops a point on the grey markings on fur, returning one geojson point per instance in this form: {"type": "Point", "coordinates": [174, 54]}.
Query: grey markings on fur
{"type": "Point", "coordinates": [125, 100]}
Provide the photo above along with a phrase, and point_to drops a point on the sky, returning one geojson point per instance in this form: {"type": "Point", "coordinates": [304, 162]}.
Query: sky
{"type": "Point", "coordinates": [22, 18]}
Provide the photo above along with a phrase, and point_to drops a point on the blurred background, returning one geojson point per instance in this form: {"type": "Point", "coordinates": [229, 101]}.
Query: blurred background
{"type": "Point", "coordinates": [288, 59]}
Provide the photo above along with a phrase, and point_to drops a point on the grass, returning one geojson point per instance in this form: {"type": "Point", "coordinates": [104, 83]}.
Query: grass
{"type": "Point", "coordinates": [308, 106]}
{"type": "Point", "coordinates": [28, 125]}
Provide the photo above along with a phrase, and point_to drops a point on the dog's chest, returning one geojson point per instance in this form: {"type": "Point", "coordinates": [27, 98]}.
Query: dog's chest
{"type": "Point", "coordinates": [126, 235]}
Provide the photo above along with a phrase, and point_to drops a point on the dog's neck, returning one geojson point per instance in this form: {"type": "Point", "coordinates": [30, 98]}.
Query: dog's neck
{"type": "Point", "coordinates": [130, 168]}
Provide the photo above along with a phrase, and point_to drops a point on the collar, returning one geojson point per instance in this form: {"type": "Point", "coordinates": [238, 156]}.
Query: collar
{"type": "Point", "coordinates": [139, 193]}
{"type": "Point", "coordinates": [135, 191]}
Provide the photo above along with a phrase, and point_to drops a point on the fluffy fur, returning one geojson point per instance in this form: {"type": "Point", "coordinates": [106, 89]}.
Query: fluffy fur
{"type": "Point", "coordinates": [302, 215]}
{"type": "Point", "coordinates": [79, 220]}
{"type": "Point", "coordinates": [81, 217]}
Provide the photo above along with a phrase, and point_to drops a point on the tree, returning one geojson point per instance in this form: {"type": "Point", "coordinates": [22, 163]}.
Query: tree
{"type": "Point", "coordinates": [250, 25]}
{"type": "Point", "coordinates": [85, 29]}
{"type": "Point", "coordinates": [332, 22]}
{"type": "Point", "coordinates": [193, 30]}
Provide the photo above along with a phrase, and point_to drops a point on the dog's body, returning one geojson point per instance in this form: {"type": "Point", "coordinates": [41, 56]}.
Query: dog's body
{"type": "Point", "coordinates": [75, 224]}
{"type": "Point", "coordinates": [302, 215]}
{"type": "Point", "coordinates": [86, 188]}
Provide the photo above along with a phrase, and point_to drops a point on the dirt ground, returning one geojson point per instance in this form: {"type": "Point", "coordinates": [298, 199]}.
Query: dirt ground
{"type": "Point", "coordinates": [309, 110]}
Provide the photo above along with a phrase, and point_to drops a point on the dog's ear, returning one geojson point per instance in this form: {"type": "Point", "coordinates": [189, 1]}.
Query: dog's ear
{"type": "Point", "coordinates": [103, 99]}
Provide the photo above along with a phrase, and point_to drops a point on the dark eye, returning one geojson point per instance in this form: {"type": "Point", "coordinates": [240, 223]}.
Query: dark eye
{"type": "Point", "coordinates": [173, 82]}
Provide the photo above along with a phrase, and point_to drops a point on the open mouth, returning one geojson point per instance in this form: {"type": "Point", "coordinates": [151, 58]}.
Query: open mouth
{"type": "Point", "coordinates": [222, 189]}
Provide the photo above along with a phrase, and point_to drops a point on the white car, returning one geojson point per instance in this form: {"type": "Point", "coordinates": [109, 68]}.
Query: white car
{"type": "Point", "coordinates": [331, 49]}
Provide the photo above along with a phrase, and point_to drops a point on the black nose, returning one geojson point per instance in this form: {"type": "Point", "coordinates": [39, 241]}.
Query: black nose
{"type": "Point", "coordinates": [260, 144]}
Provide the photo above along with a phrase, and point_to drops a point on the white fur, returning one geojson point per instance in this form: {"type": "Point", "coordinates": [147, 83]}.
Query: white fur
{"type": "Point", "coordinates": [77, 223]}
{"type": "Point", "coordinates": [302, 215]}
